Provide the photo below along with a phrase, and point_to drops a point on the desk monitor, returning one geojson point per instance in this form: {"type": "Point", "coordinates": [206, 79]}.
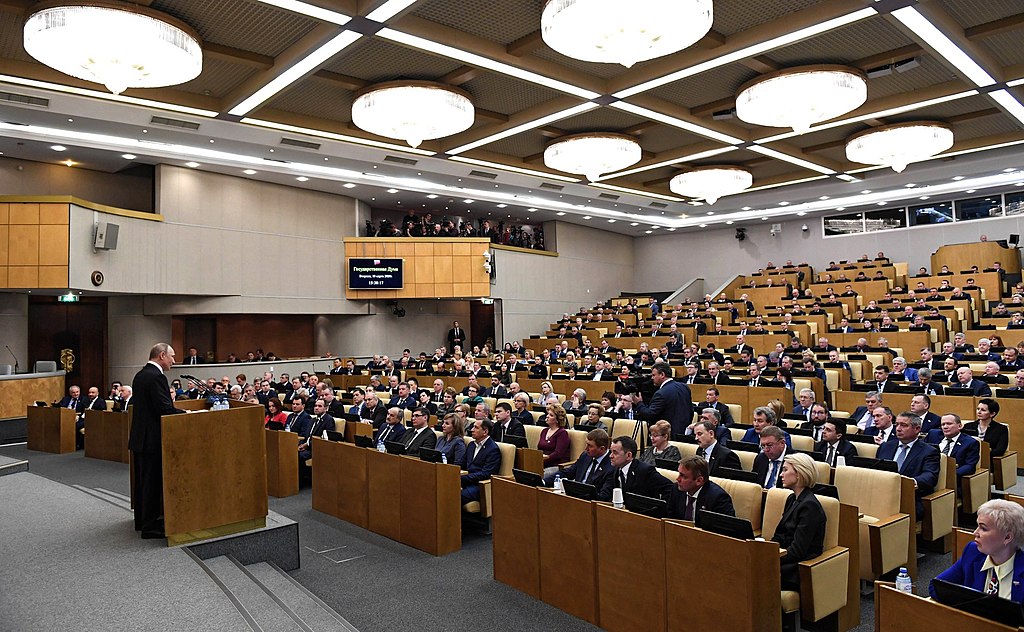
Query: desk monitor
{"type": "Point", "coordinates": [584, 427]}
{"type": "Point", "coordinates": [814, 454]}
{"type": "Point", "coordinates": [737, 475]}
{"type": "Point", "coordinates": [1005, 392]}
{"type": "Point", "coordinates": [743, 446]}
{"type": "Point", "coordinates": [824, 489]}
{"type": "Point", "coordinates": [726, 525]}
{"type": "Point", "coordinates": [40, 403]}
{"type": "Point", "coordinates": [682, 437]}
{"type": "Point", "coordinates": [363, 441]}
{"type": "Point", "coordinates": [666, 464]}
{"type": "Point", "coordinates": [858, 437]}
{"type": "Point", "coordinates": [645, 505]}
{"type": "Point", "coordinates": [958, 392]}
{"type": "Point", "coordinates": [582, 491]}
{"type": "Point", "coordinates": [523, 477]}
{"type": "Point", "coordinates": [429, 455]}
{"type": "Point", "coordinates": [334, 435]}
{"type": "Point", "coordinates": [975, 602]}
{"type": "Point", "coordinates": [518, 441]}
{"type": "Point", "coordinates": [872, 464]}
{"type": "Point", "coordinates": [394, 447]}
{"type": "Point", "coordinates": [348, 417]}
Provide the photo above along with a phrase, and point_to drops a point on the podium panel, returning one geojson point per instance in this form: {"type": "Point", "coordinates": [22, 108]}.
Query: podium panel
{"type": "Point", "coordinates": [431, 497]}
{"type": "Point", "coordinates": [215, 473]}
{"type": "Point", "coordinates": [282, 463]}
{"type": "Point", "coordinates": [384, 498]}
{"type": "Point", "coordinates": [326, 475]}
{"type": "Point", "coordinates": [51, 429]}
{"type": "Point", "coordinates": [568, 555]}
{"type": "Point", "coordinates": [748, 567]}
{"type": "Point", "coordinates": [516, 535]}
{"type": "Point", "coordinates": [106, 435]}
{"type": "Point", "coordinates": [353, 496]}
{"type": "Point", "coordinates": [894, 609]}
{"type": "Point", "coordinates": [636, 571]}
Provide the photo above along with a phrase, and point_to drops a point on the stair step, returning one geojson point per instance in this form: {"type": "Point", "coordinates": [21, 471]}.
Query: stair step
{"type": "Point", "coordinates": [263, 609]}
{"type": "Point", "coordinates": [317, 614]}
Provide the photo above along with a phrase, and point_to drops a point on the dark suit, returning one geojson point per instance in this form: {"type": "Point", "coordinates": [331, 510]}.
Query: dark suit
{"type": "Point", "coordinates": [920, 464]}
{"type": "Point", "coordinates": [479, 468]}
{"type": "Point", "coordinates": [722, 409]}
{"type": "Point", "coordinates": [710, 497]}
{"type": "Point", "coordinates": [966, 451]}
{"type": "Point", "coordinates": [151, 399]}
{"type": "Point", "coordinates": [930, 422]}
{"type": "Point", "coordinates": [843, 448]}
{"type": "Point", "coordinates": [497, 392]}
{"type": "Point", "coordinates": [997, 436]}
{"type": "Point", "coordinates": [762, 467]}
{"type": "Point", "coordinates": [388, 432]}
{"type": "Point", "coordinates": [409, 402]}
{"type": "Point", "coordinates": [578, 471]}
{"type": "Point", "coordinates": [515, 427]}
{"type": "Point", "coordinates": [414, 441]}
{"type": "Point", "coordinates": [316, 429]}
{"type": "Point", "coordinates": [967, 572]}
{"type": "Point", "coordinates": [670, 402]}
{"type": "Point", "coordinates": [456, 337]}
{"type": "Point", "coordinates": [801, 531]}
{"type": "Point", "coordinates": [720, 456]}
{"type": "Point", "coordinates": [77, 404]}
{"type": "Point", "coordinates": [300, 423]}
{"type": "Point", "coordinates": [979, 388]}
{"type": "Point", "coordinates": [890, 433]}
{"type": "Point", "coordinates": [375, 416]}
{"type": "Point", "coordinates": [641, 479]}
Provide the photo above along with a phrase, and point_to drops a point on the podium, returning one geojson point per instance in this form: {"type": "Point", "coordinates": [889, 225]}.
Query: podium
{"type": "Point", "coordinates": [282, 463]}
{"type": "Point", "coordinates": [895, 610]}
{"type": "Point", "coordinates": [51, 429]}
{"type": "Point", "coordinates": [215, 473]}
{"type": "Point", "coordinates": [106, 435]}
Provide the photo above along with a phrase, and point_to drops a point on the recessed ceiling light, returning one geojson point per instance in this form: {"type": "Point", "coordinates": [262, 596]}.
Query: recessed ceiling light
{"type": "Point", "coordinates": [503, 206]}
{"type": "Point", "coordinates": [672, 230]}
{"type": "Point", "coordinates": [958, 178]}
{"type": "Point", "coordinates": [783, 203]}
{"type": "Point", "coordinates": [128, 156]}
{"type": "Point", "coordinates": [970, 190]}
{"type": "Point", "coordinates": [924, 197]}
{"type": "Point", "coordinates": [801, 213]}
{"type": "Point", "coordinates": [249, 172]}
{"type": "Point", "coordinates": [587, 217]}
{"type": "Point", "coordinates": [611, 221]}
{"type": "Point", "coordinates": [655, 227]}
{"type": "Point", "coordinates": [560, 214]}
{"type": "Point", "coordinates": [840, 208]}
{"type": "Point", "coordinates": [1019, 184]}
{"type": "Point", "coordinates": [1009, 169]}
{"type": "Point", "coordinates": [431, 197]}
{"type": "Point", "coordinates": [392, 190]}
{"type": "Point", "coordinates": [468, 201]}
{"type": "Point", "coordinates": [866, 191]}
{"type": "Point", "coordinates": [910, 185]}
{"type": "Point", "coordinates": [648, 232]}
{"type": "Point", "coordinates": [531, 210]}
{"type": "Point", "coordinates": [58, 147]}
{"type": "Point", "coordinates": [192, 164]}
{"type": "Point", "coordinates": [69, 162]}
{"type": "Point", "coordinates": [745, 208]}
{"type": "Point", "coordinates": [824, 197]}
{"type": "Point", "coordinates": [349, 185]}
{"type": "Point", "coordinates": [880, 203]}
{"type": "Point", "coordinates": [764, 219]}
{"type": "Point", "coordinates": [711, 212]}
{"type": "Point", "coordinates": [703, 225]}
{"type": "Point", "coordinates": [302, 179]}
{"type": "Point", "coordinates": [634, 224]}
{"type": "Point", "coordinates": [729, 223]}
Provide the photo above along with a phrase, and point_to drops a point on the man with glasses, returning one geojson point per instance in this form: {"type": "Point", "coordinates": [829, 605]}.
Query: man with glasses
{"type": "Point", "coordinates": [421, 436]}
{"type": "Point", "coordinates": [768, 463]}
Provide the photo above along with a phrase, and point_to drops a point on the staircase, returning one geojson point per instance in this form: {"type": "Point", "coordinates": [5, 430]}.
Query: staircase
{"type": "Point", "coordinates": [269, 599]}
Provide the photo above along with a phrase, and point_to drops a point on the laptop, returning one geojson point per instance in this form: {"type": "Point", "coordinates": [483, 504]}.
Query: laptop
{"type": "Point", "coordinates": [737, 475]}
{"type": "Point", "coordinates": [582, 491]}
{"type": "Point", "coordinates": [975, 602]}
{"type": "Point", "coordinates": [722, 524]}
{"type": "Point", "coordinates": [583, 428]}
{"type": "Point", "coordinates": [666, 464]}
{"type": "Point", "coordinates": [524, 477]}
{"type": "Point", "coordinates": [872, 464]}
{"type": "Point", "coordinates": [743, 446]}
{"type": "Point", "coordinates": [645, 505]}
{"type": "Point", "coordinates": [429, 455]}
{"type": "Point", "coordinates": [363, 441]}
{"type": "Point", "coordinates": [518, 441]}
{"type": "Point", "coordinates": [334, 435]}
{"type": "Point", "coordinates": [394, 447]}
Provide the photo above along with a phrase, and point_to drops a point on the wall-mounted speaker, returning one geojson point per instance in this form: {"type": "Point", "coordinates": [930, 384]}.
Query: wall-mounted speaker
{"type": "Point", "coordinates": [105, 236]}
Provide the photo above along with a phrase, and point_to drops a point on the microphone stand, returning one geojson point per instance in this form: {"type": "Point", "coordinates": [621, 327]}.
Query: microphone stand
{"type": "Point", "coordinates": [13, 356]}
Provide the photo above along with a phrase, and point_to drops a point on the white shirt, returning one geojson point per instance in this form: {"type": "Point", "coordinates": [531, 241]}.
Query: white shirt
{"type": "Point", "coordinates": [1004, 572]}
{"type": "Point", "coordinates": [156, 365]}
{"type": "Point", "coordinates": [950, 441]}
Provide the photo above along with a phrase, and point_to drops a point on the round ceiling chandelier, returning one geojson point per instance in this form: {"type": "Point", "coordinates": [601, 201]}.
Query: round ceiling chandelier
{"type": "Point", "coordinates": [801, 97]}
{"type": "Point", "coordinates": [898, 145]}
{"type": "Point", "coordinates": [711, 183]}
{"type": "Point", "coordinates": [117, 44]}
{"type": "Point", "coordinates": [413, 111]}
{"type": "Point", "coordinates": [592, 154]}
{"type": "Point", "coordinates": [616, 32]}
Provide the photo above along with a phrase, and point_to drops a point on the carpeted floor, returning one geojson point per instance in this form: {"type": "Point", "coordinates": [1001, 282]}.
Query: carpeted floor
{"type": "Point", "coordinates": [375, 583]}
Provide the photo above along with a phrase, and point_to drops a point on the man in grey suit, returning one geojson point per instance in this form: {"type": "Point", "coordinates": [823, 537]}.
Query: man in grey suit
{"type": "Point", "coordinates": [671, 402]}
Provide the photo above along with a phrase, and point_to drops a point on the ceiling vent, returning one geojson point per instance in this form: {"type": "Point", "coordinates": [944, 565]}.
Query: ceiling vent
{"type": "Point", "coordinates": [659, 205]}
{"type": "Point", "coordinates": [22, 99]}
{"type": "Point", "coordinates": [401, 161]}
{"type": "Point", "coordinates": [483, 174]}
{"type": "Point", "coordinates": [177, 123]}
{"type": "Point", "coordinates": [608, 196]}
{"type": "Point", "coordinates": [551, 187]}
{"type": "Point", "coordinates": [300, 144]}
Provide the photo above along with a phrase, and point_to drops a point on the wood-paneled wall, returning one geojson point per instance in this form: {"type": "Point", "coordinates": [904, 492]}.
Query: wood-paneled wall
{"type": "Point", "coordinates": [434, 268]}
{"type": "Point", "coordinates": [34, 245]}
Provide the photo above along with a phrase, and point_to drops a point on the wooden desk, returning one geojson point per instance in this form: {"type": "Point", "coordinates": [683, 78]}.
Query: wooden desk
{"type": "Point", "coordinates": [106, 435]}
{"type": "Point", "coordinates": [384, 498]}
{"type": "Point", "coordinates": [282, 463]}
{"type": "Point", "coordinates": [568, 555]}
{"type": "Point", "coordinates": [339, 481]}
{"type": "Point", "coordinates": [894, 609]}
{"type": "Point", "coordinates": [982, 254]}
{"type": "Point", "coordinates": [23, 389]}
{"type": "Point", "coordinates": [516, 535]}
{"type": "Point", "coordinates": [51, 429]}
{"type": "Point", "coordinates": [632, 589]}
{"type": "Point", "coordinates": [431, 497]}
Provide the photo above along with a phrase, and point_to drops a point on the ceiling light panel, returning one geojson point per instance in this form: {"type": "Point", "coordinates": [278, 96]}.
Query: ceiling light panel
{"type": "Point", "coordinates": [512, 131]}
{"type": "Point", "coordinates": [942, 45]}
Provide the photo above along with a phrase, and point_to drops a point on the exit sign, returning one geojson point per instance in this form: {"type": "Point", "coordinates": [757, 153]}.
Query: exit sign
{"type": "Point", "coordinates": [67, 298]}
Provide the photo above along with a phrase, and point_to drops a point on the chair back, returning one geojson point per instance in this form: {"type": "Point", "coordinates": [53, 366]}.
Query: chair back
{"type": "Point", "coordinates": [508, 459]}
{"type": "Point", "coordinates": [774, 505]}
{"type": "Point", "coordinates": [866, 449]}
{"type": "Point", "coordinates": [746, 499]}
{"type": "Point", "coordinates": [802, 442]}
{"type": "Point", "coordinates": [577, 443]}
{"type": "Point", "coordinates": [873, 492]}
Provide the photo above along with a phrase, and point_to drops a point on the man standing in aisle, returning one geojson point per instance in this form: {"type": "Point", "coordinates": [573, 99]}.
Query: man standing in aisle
{"type": "Point", "coordinates": [151, 400]}
{"type": "Point", "coordinates": [671, 401]}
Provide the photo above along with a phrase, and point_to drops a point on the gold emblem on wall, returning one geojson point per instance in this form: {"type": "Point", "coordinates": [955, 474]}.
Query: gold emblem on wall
{"type": "Point", "coordinates": [67, 359]}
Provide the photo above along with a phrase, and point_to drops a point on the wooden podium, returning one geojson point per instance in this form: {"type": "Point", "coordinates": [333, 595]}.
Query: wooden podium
{"type": "Point", "coordinates": [215, 473]}
{"type": "Point", "coordinates": [51, 429]}
{"type": "Point", "coordinates": [897, 611]}
{"type": "Point", "coordinates": [282, 463]}
{"type": "Point", "coordinates": [106, 435]}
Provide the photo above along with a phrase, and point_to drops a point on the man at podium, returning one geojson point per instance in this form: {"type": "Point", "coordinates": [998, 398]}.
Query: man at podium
{"type": "Point", "coordinates": [151, 398]}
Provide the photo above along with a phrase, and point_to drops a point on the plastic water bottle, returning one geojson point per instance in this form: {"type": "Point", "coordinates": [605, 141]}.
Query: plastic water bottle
{"type": "Point", "coordinates": [557, 485]}
{"type": "Point", "coordinates": [903, 581]}
{"type": "Point", "coordinates": [380, 447]}
{"type": "Point", "coordinates": [444, 458]}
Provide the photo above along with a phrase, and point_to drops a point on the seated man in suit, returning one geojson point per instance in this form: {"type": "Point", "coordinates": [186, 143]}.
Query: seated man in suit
{"type": "Point", "coordinates": [711, 401]}
{"type": "Point", "coordinates": [496, 390]}
{"type": "Point", "coordinates": [965, 381]}
{"type": "Point", "coordinates": [805, 399]}
{"type": "Point", "coordinates": [92, 401]}
{"type": "Point", "coordinates": [916, 459]}
{"type": "Point", "coordinates": [927, 385]}
{"type": "Point", "coordinates": [768, 462]}
{"type": "Point", "coordinates": [764, 416]}
{"type": "Point", "coordinates": [124, 401]}
{"type": "Point", "coordinates": [862, 415]}
{"type": "Point", "coordinates": [882, 428]}
{"type": "Point", "coordinates": [482, 460]}
{"type": "Point", "coordinates": [420, 435]}
{"type": "Point", "coordinates": [299, 420]}
{"type": "Point", "coordinates": [631, 474]}
{"type": "Point", "coordinates": [694, 490]}
{"type": "Point", "coordinates": [714, 417]}
{"type": "Point", "coordinates": [714, 452]}
{"type": "Point", "coordinates": [593, 465]}
{"type": "Point", "coordinates": [505, 424]}
{"type": "Point", "coordinates": [952, 442]}
{"type": "Point", "coordinates": [322, 421]}
{"type": "Point", "coordinates": [392, 429]}
{"type": "Point", "coordinates": [833, 444]}
{"type": "Point", "coordinates": [73, 400]}
{"type": "Point", "coordinates": [900, 370]}
{"type": "Point", "coordinates": [374, 412]}
{"type": "Point", "coordinates": [921, 405]}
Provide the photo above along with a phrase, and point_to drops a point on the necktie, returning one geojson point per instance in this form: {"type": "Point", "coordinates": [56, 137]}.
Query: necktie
{"type": "Point", "coordinates": [949, 446]}
{"type": "Point", "coordinates": [832, 455]}
{"type": "Point", "coordinates": [701, 453]}
{"type": "Point", "coordinates": [622, 481]}
{"type": "Point", "coordinates": [688, 508]}
{"type": "Point", "coordinates": [384, 434]}
{"type": "Point", "coordinates": [590, 471]}
{"type": "Point", "coordinates": [771, 475]}
{"type": "Point", "coordinates": [901, 456]}
{"type": "Point", "coordinates": [993, 583]}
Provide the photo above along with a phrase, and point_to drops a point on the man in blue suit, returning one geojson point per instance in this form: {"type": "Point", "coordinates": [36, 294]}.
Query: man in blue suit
{"type": "Point", "coordinates": [965, 380]}
{"type": "Point", "coordinates": [483, 460]}
{"type": "Point", "coordinates": [916, 459]}
{"type": "Point", "coordinates": [403, 399]}
{"type": "Point", "coordinates": [299, 420]}
{"type": "Point", "coordinates": [392, 429]}
{"type": "Point", "coordinates": [993, 563]}
{"type": "Point", "coordinates": [694, 490]}
{"type": "Point", "coordinates": [593, 465]}
{"type": "Point", "coordinates": [671, 402]}
{"type": "Point", "coordinates": [950, 441]}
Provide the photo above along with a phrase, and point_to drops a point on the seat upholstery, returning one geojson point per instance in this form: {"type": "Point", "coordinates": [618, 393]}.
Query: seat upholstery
{"type": "Point", "coordinates": [802, 442]}
{"type": "Point", "coordinates": [736, 410]}
{"type": "Point", "coordinates": [884, 529]}
{"type": "Point", "coordinates": [866, 449]}
{"type": "Point", "coordinates": [532, 435]}
{"type": "Point", "coordinates": [685, 449]}
{"type": "Point", "coordinates": [940, 506]}
{"type": "Point", "coordinates": [746, 459]}
{"type": "Point", "coordinates": [746, 500]}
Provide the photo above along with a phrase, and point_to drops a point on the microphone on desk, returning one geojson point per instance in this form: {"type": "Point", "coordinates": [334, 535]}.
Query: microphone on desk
{"type": "Point", "coordinates": [13, 356]}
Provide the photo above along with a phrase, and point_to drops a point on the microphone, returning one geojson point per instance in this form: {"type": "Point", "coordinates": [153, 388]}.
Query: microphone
{"type": "Point", "coordinates": [13, 356]}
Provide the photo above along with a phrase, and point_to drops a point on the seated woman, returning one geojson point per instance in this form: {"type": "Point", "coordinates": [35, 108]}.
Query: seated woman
{"type": "Point", "coordinates": [660, 449]}
{"type": "Point", "coordinates": [994, 562]}
{"type": "Point", "coordinates": [547, 395]}
{"type": "Point", "coordinates": [801, 530]}
{"type": "Point", "coordinates": [276, 417]}
{"type": "Point", "coordinates": [593, 417]}
{"type": "Point", "coordinates": [554, 440]}
{"type": "Point", "coordinates": [987, 429]}
{"type": "Point", "coordinates": [521, 404]}
{"type": "Point", "coordinates": [450, 443]}
{"type": "Point", "coordinates": [424, 402]}
{"type": "Point", "coordinates": [447, 404]}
